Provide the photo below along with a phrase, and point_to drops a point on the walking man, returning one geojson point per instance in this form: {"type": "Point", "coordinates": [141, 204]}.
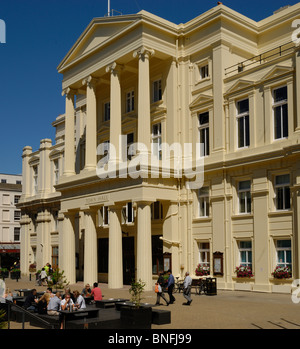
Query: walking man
{"type": "Point", "coordinates": [187, 288]}
{"type": "Point", "coordinates": [170, 286]}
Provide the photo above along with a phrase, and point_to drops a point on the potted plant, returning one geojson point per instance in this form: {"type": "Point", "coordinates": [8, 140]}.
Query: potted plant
{"type": "Point", "coordinates": [135, 315]}
{"type": "Point", "coordinates": [202, 270]}
{"type": "Point", "coordinates": [15, 273]}
{"type": "Point", "coordinates": [243, 271]}
{"type": "Point", "coordinates": [4, 273]}
{"type": "Point", "coordinates": [32, 268]}
{"type": "Point", "coordinates": [282, 272]}
{"type": "Point", "coordinates": [58, 279]}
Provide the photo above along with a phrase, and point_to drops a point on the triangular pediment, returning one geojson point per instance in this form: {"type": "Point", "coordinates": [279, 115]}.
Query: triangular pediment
{"type": "Point", "coordinates": [201, 100]}
{"type": "Point", "coordinates": [276, 71]}
{"type": "Point", "coordinates": [33, 159]}
{"type": "Point", "coordinates": [240, 85]}
{"type": "Point", "coordinates": [99, 31]}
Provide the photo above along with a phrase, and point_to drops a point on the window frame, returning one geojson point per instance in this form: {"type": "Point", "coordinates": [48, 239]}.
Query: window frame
{"type": "Point", "coordinates": [277, 105]}
{"type": "Point", "coordinates": [206, 201]}
{"type": "Point", "coordinates": [205, 129]}
{"type": "Point", "coordinates": [129, 101]}
{"type": "Point", "coordinates": [157, 90]}
{"type": "Point", "coordinates": [284, 186]}
{"type": "Point", "coordinates": [158, 136]}
{"type": "Point", "coordinates": [246, 250]}
{"type": "Point", "coordinates": [243, 116]}
{"type": "Point", "coordinates": [241, 191]}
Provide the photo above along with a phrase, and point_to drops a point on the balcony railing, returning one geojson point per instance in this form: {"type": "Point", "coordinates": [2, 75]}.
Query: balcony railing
{"type": "Point", "coordinates": [267, 56]}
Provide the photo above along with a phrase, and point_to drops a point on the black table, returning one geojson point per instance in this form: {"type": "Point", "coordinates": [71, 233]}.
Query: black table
{"type": "Point", "coordinates": [106, 303]}
{"type": "Point", "coordinates": [88, 300]}
{"type": "Point", "coordinates": [25, 291]}
{"type": "Point", "coordinates": [72, 315]}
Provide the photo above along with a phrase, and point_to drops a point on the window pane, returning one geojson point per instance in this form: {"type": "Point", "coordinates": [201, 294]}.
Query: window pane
{"type": "Point", "coordinates": [285, 131]}
{"type": "Point", "coordinates": [241, 140]}
{"type": "Point", "coordinates": [282, 179]}
{"type": "Point", "coordinates": [244, 185]}
{"type": "Point", "coordinates": [277, 123]}
{"type": "Point", "coordinates": [280, 94]}
{"type": "Point", "coordinates": [283, 243]}
{"type": "Point", "coordinates": [287, 199]}
{"type": "Point", "coordinates": [204, 118]}
{"type": "Point", "coordinates": [243, 106]}
{"type": "Point", "coordinates": [247, 133]}
{"type": "Point", "coordinates": [245, 244]}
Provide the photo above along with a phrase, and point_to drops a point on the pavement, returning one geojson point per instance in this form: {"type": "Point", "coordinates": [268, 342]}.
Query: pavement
{"type": "Point", "coordinates": [226, 310]}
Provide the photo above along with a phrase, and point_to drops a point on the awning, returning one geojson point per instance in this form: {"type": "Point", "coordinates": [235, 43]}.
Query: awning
{"type": "Point", "coordinates": [9, 248]}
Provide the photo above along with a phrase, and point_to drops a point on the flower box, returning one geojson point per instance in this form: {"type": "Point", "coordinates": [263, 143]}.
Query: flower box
{"type": "Point", "coordinates": [282, 272]}
{"type": "Point", "coordinates": [243, 272]}
{"type": "Point", "coordinates": [202, 270]}
{"type": "Point", "coordinates": [15, 274]}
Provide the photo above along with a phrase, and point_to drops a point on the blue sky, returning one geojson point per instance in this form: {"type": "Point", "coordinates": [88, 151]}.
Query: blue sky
{"type": "Point", "coordinates": [39, 33]}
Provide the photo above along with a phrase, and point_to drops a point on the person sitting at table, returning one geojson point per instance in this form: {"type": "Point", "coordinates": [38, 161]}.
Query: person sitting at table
{"type": "Point", "coordinates": [8, 294]}
{"type": "Point", "coordinates": [96, 292]}
{"type": "Point", "coordinates": [31, 301]}
{"type": "Point", "coordinates": [49, 290]}
{"type": "Point", "coordinates": [42, 303]}
{"type": "Point", "coordinates": [79, 300]}
{"type": "Point", "coordinates": [68, 291]}
{"type": "Point", "coordinates": [86, 292]}
{"type": "Point", "coordinates": [65, 304]}
{"type": "Point", "coordinates": [54, 304]}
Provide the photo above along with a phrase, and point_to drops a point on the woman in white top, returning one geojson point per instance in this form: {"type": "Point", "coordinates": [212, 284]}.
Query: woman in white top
{"type": "Point", "coordinates": [79, 300]}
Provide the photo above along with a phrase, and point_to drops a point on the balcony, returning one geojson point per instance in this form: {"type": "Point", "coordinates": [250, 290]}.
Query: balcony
{"type": "Point", "coordinates": [258, 60]}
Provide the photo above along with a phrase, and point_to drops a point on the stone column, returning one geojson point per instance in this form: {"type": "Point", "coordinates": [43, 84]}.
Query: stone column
{"type": "Point", "coordinates": [43, 248]}
{"type": "Point", "coordinates": [91, 124]}
{"type": "Point", "coordinates": [144, 244]}
{"type": "Point", "coordinates": [115, 255]}
{"type": "Point", "coordinates": [25, 243]}
{"type": "Point", "coordinates": [26, 188]}
{"type": "Point", "coordinates": [144, 121]}
{"type": "Point", "coordinates": [115, 110]}
{"type": "Point", "coordinates": [68, 247]}
{"type": "Point", "coordinates": [297, 83]}
{"type": "Point", "coordinates": [45, 167]}
{"type": "Point", "coordinates": [69, 168]}
{"type": "Point", "coordinates": [90, 248]}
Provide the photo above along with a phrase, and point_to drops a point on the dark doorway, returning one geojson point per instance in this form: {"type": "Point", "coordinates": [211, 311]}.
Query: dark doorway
{"type": "Point", "coordinates": [128, 260]}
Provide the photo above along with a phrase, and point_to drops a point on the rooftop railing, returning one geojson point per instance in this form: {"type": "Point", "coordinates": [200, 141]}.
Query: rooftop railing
{"type": "Point", "coordinates": [254, 61]}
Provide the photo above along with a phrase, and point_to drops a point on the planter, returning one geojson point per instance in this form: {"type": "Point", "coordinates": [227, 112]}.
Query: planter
{"type": "Point", "coordinates": [136, 318]}
{"type": "Point", "coordinates": [4, 274]}
{"type": "Point", "coordinates": [15, 275]}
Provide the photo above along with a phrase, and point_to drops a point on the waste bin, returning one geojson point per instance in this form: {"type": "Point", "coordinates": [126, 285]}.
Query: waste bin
{"type": "Point", "coordinates": [211, 286]}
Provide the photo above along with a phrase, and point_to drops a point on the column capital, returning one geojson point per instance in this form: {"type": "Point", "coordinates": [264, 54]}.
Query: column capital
{"type": "Point", "coordinates": [114, 68]}
{"type": "Point", "coordinates": [90, 81]}
{"type": "Point", "coordinates": [68, 92]}
{"type": "Point", "coordinates": [143, 52]}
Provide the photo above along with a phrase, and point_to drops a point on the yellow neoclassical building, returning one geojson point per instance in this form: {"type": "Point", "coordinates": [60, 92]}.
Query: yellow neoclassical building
{"type": "Point", "coordinates": [222, 81]}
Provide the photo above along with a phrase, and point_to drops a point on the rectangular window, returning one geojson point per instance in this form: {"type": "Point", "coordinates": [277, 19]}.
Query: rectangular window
{"type": "Point", "coordinates": [130, 142]}
{"type": "Point", "coordinates": [244, 195]}
{"type": "Point", "coordinates": [156, 210]}
{"type": "Point", "coordinates": [3, 180]}
{"type": "Point", "coordinates": [284, 253]}
{"type": "Point", "coordinates": [35, 180]}
{"type": "Point", "coordinates": [17, 234]}
{"type": "Point", "coordinates": [128, 213]}
{"type": "Point", "coordinates": [204, 132]}
{"type": "Point", "coordinates": [203, 200]}
{"type": "Point", "coordinates": [280, 111]}
{"type": "Point", "coordinates": [17, 215]}
{"type": "Point", "coordinates": [204, 254]}
{"type": "Point", "coordinates": [56, 171]}
{"type": "Point", "coordinates": [156, 141]}
{"type": "Point", "coordinates": [54, 257]}
{"type": "Point", "coordinates": [203, 71]}
{"type": "Point", "coordinates": [282, 192]}
{"type": "Point", "coordinates": [17, 199]}
{"type": "Point", "coordinates": [18, 182]}
{"type": "Point", "coordinates": [129, 101]}
{"type": "Point", "coordinates": [157, 92]}
{"type": "Point", "coordinates": [243, 123]}
{"type": "Point", "coordinates": [105, 215]}
{"type": "Point", "coordinates": [107, 111]}
{"type": "Point", "coordinates": [245, 251]}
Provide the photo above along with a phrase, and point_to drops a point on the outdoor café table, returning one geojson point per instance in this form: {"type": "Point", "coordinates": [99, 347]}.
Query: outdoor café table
{"type": "Point", "coordinates": [88, 299]}
{"type": "Point", "coordinates": [104, 303]}
{"type": "Point", "coordinates": [25, 291]}
{"type": "Point", "coordinates": [71, 315]}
